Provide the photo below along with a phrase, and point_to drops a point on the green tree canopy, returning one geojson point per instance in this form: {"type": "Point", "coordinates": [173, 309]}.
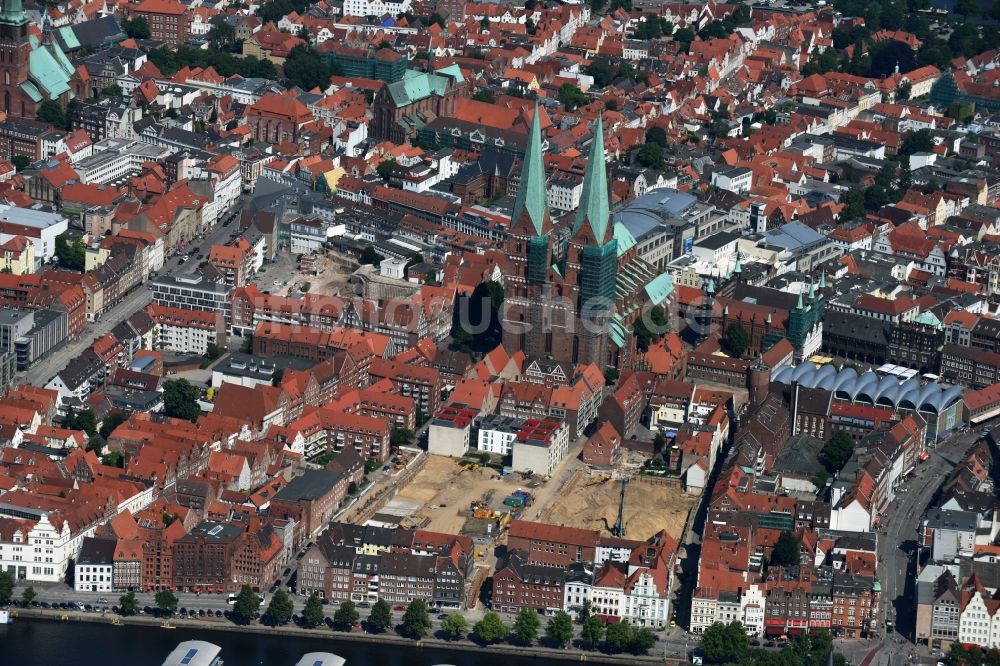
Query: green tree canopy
{"type": "Point", "coordinates": [657, 135]}
{"type": "Point", "coordinates": [619, 635]}
{"type": "Point", "coordinates": [28, 595]}
{"type": "Point", "coordinates": [304, 68]}
{"type": "Point", "coordinates": [650, 155]}
{"type": "Point", "coordinates": [601, 71]}
{"type": "Point", "coordinates": [70, 252]}
{"type": "Point", "coordinates": [643, 641]}
{"type": "Point", "coordinates": [246, 606]}
{"type": "Point", "coordinates": [725, 643]}
{"type": "Point", "coordinates": [169, 61]}
{"type": "Point", "coordinates": [180, 399]}
{"type": "Point", "coordinates": [455, 627]}
{"type": "Point", "coordinates": [280, 610]}
{"type": "Point", "coordinates": [222, 36]}
{"type": "Point", "coordinates": [592, 631]}
{"type": "Point", "coordinates": [416, 620]}
{"type": "Point", "coordinates": [526, 626]}
{"type": "Point", "coordinates": [559, 629]}
{"type": "Point", "coordinates": [312, 613]}
{"type": "Point", "coordinates": [128, 604]}
{"type": "Point", "coordinates": [786, 550]}
{"type": "Point", "coordinates": [166, 602]}
{"type": "Point", "coordinates": [380, 618]}
{"type": "Point", "coordinates": [735, 341]}
{"type": "Point", "coordinates": [370, 256]}
{"type": "Point", "coordinates": [837, 451]}
{"type": "Point", "coordinates": [490, 629]}
{"type": "Point", "coordinates": [111, 421]}
{"type": "Point", "coordinates": [136, 28]}
{"type": "Point", "coordinates": [346, 616]}
{"type": "Point", "coordinates": [571, 97]}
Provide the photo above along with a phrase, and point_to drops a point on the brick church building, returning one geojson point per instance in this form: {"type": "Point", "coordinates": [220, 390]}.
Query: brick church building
{"type": "Point", "coordinates": [31, 72]}
{"type": "Point", "coordinates": [574, 300]}
{"type": "Point", "coordinates": [401, 108]}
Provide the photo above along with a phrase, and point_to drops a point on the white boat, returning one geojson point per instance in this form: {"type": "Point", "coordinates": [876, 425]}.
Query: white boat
{"type": "Point", "coordinates": [194, 653]}
{"type": "Point", "coordinates": [320, 659]}
{"type": "Point", "coordinates": [6, 617]}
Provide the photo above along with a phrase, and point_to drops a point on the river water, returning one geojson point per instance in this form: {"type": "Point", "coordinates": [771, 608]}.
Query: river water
{"type": "Point", "coordinates": [43, 643]}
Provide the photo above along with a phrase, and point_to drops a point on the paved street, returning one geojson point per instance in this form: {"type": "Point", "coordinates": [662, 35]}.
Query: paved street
{"type": "Point", "coordinates": [897, 552]}
{"type": "Point", "coordinates": [40, 373]}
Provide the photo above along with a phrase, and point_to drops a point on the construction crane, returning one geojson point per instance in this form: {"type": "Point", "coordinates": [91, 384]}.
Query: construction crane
{"type": "Point", "coordinates": [619, 529]}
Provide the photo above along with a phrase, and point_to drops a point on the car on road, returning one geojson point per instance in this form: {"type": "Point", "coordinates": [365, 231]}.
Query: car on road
{"type": "Point", "coordinates": [102, 600]}
{"type": "Point", "coordinates": [287, 571]}
{"type": "Point", "coordinates": [443, 616]}
{"type": "Point", "coordinates": [364, 604]}
{"type": "Point", "coordinates": [399, 608]}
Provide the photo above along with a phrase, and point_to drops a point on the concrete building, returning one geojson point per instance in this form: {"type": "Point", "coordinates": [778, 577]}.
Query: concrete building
{"type": "Point", "coordinates": [498, 433]}
{"type": "Point", "coordinates": [540, 446]}
{"type": "Point", "coordinates": [450, 431]}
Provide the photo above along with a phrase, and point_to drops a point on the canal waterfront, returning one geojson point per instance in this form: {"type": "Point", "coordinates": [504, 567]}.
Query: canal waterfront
{"type": "Point", "coordinates": [47, 643]}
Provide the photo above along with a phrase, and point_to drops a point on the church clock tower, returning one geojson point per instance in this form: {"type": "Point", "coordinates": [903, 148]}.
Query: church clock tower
{"type": "Point", "coordinates": [15, 54]}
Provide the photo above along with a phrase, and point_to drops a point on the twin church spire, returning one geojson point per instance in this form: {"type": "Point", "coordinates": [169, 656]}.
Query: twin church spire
{"type": "Point", "coordinates": [530, 203]}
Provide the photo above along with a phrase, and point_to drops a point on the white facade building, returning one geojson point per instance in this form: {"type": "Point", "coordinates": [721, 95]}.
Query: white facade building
{"type": "Point", "coordinates": [375, 7]}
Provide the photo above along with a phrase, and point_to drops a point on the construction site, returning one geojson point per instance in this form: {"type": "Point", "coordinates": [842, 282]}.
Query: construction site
{"type": "Point", "coordinates": [467, 498]}
{"type": "Point", "coordinates": [593, 501]}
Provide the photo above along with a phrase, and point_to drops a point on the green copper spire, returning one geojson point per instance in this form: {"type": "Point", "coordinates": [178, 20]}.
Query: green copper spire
{"type": "Point", "coordinates": [13, 12]}
{"type": "Point", "coordinates": [822, 280]}
{"type": "Point", "coordinates": [531, 192]}
{"type": "Point", "coordinates": [798, 306]}
{"type": "Point", "coordinates": [594, 207]}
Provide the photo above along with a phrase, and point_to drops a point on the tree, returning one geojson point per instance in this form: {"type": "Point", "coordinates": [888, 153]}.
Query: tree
{"type": "Point", "coordinates": [71, 254]}
{"type": "Point", "coordinates": [166, 602]}
{"type": "Point", "coordinates": [384, 168]}
{"type": "Point", "coordinates": [571, 97]}
{"type": "Point", "coordinates": [725, 643]}
{"type": "Point", "coordinates": [305, 69]}
{"type": "Point", "coordinates": [650, 326]}
{"type": "Point", "coordinates": [559, 629]}
{"type": "Point", "coordinates": [416, 620]}
{"type": "Point", "coordinates": [401, 436]}
{"type": "Point", "coordinates": [967, 8]}
{"type": "Point", "coordinates": [20, 162]}
{"type": "Point", "coordinates": [601, 71]}
{"type": "Point", "coordinates": [650, 156]}
{"type": "Point", "coordinates": [903, 91]}
{"type": "Point", "coordinates": [128, 604]}
{"type": "Point", "coordinates": [735, 341]}
{"type": "Point", "coordinates": [611, 375]}
{"type": "Point", "coordinates": [484, 95]}
{"type": "Point", "coordinates": [837, 451]}
{"type": "Point", "coordinates": [490, 629]}
{"type": "Point", "coordinates": [526, 626]}
{"type": "Point", "coordinates": [380, 618]}
{"type": "Point", "coordinates": [113, 90]}
{"type": "Point", "coordinates": [312, 613]}
{"type": "Point", "coordinates": [83, 420]}
{"type": "Point", "coordinates": [642, 641]}
{"type": "Point", "coordinates": [921, 141]}
{"type": "Point", "coordinates": [786, 550]}
{"type": "Point", "coordinates": [212, 351]}
{"type": "Point", "coordinates": [657, 135]}
{"type": "Point", "coordinates": [592, 631]}
{"type": "Point", "coordinates": [854, 204]}
{"type": "Point", "coordinates": [6, 587]}
{"type": "Point", "coordinates": [352, 488]}
{"type": "Point", "coordinates": [455, 627]}
{"type": "Point", "coordinates": [180, 399]}
{"type": "Point", "coordinates": [113, 420]}
{"type": "Point", "coordinates": [277, 376]}
{"type": "Point", "coordinates": [684, 37]}
{"type": "Point", "coordinates": [280, 610]}
{"type": "Point", "coordinates": [246, 606]}
{"type": "Point", "coordinates": [370, 256]}
{"type": "Point", "coordinates": [114, 459]}
{"type": "Point", "coordinates": [619, 635]}
{"type": "Point", "coordinates": [346, 616]}
{"type": "Point", "coordinates": [28, 595]}
{"type": "Point", "coordinates": [222, 36]}
{"type": "Point", "coordinates": [136, 28]}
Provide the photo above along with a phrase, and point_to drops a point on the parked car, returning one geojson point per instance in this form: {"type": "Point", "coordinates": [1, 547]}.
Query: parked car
{"type": "Point", "coordinates": [399, 608]}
